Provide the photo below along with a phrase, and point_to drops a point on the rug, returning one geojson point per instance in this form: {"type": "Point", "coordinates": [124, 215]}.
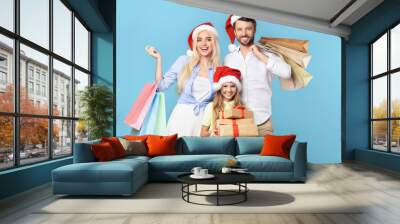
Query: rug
{"type": "Point", "coordinates": [166, 198]}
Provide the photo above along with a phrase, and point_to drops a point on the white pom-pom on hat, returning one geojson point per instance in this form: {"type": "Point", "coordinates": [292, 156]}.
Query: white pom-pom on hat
{"type": "Point", "coordinates": [231, 31]}
{"type": "Point", "coordinates": [232, 47]}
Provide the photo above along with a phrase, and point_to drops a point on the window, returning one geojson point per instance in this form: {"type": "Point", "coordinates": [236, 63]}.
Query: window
{"type": "Point", "coordinates": [45, 105]}
{"type": "Point", "coordinates": [30, 87]}
{"type": "Point", "coordinates": [7, 14]}
{"type": "Point", "coordinates": [3, 72]}
{"type": "Point", "coordinates": [35, 21]}
{"type": "Point", "coordinates": [44, 91]}
{"type": "Point", "coordinates": [385, 91]}
{"type": "Point", "coordinates": [30, 72]}
{"type": "Point", "coordinates": [6, 73]}
{"type": "Point", "coordinates": [37, 89]}
{"type": "Point", "coordinates": [81, 45]}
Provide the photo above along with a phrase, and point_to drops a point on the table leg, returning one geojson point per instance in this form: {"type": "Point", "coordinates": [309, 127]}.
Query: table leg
{"type": "Point", "coordinates": [217, 194]}
{"type": "Point", "coordinates": [245, 193]}
{"type": "Point", "coordinates": [196, 188]}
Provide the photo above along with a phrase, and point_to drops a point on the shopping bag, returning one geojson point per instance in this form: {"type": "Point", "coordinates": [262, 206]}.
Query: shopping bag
{"type": "Point", "coordinates": [161, 123]}
{"type": "Point", "coordinates": [295, 44]}
{"type": "Point", "coordinates": [155, 122]}
{"type": "Point", "coordinates": [141, 106]}
{"type": "Point", "coordinates": [151, 116]}
{"type": "Point", "coordinates": [300, 58]}
{"type": "Point", "coordinates": [299, 77]}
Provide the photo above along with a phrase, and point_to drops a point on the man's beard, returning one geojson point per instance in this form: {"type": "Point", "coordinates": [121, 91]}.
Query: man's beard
{"type": "Point", "coordinates": [249, 43]}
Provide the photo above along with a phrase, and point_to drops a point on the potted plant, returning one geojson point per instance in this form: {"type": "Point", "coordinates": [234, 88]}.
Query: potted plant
{"type": "Point", "coordinates": [96, 102]}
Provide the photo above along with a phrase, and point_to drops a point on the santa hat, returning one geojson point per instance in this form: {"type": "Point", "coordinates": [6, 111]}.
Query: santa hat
{"type": "Point", "coordinates": [230, 30]}
{"type": "Point", "coordinates": [224, 74]}
{"type": "Point", "coordinates": [195, 32]}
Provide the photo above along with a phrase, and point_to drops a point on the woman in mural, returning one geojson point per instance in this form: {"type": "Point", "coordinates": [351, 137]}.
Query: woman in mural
{"type": "Point", "coordinates": [193, 73]}
{"type": "Point", "coordinates": [227, 86]}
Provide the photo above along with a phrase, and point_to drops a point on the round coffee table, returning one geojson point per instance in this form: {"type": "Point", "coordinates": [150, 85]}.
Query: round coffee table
{"type": "Point", "coordinates": [238, 179]}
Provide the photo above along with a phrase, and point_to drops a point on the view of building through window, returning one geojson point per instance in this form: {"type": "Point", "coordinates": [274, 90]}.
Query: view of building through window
{"type": "Point", "coordinates": [385, 87]}
{"type": "Point", "coordinates": [38, 88]}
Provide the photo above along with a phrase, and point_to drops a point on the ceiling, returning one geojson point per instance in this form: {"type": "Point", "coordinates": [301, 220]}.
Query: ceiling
{"type": "Point", "coordinates": [326, 16]}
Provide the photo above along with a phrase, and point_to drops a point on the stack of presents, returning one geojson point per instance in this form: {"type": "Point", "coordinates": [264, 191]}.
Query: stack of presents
{"type": "Point", "coordinates": [236, 122]}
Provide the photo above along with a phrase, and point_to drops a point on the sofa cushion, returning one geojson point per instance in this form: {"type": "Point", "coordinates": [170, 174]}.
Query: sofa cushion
{"type": "Point", "coordinates": [206, 145]}
{"type": "Point", "coordinates": [103, 152]}
{"type": "Point", "coordinates": [185, 163]}
{"type": "Point", "coordinates": [111, 171]}
{"type": "Point", "coordinates": [161, 145]}
{"type": "Point", "coordinates": [134, 147]}
{"type": "Point", "coordinates": [249, 145]}
{"type": "Point", "coordinates": [257, 163]}
{"type": "Point", "coordinates": [83, 152]}
{"type": "Point", "coordinates": [277, 145]}
{"type": "Point", "coordinates": [116, 145]}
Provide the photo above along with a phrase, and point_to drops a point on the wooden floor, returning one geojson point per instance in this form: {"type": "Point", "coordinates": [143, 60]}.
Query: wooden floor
{"type": "Point", "coordinates": [377, 188]}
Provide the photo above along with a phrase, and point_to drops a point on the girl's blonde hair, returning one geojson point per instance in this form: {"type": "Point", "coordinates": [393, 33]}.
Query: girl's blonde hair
{"type": "Point", "coordinates": [218, 103]}
{"type": "Point", "coordinates": [195, 59]}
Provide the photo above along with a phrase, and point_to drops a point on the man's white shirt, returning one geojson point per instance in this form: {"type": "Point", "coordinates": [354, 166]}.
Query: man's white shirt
{"type": "Point", "coordinates": [257, 80]}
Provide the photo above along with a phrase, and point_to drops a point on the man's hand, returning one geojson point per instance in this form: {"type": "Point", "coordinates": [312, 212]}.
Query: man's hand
{"type": "Point", "coordinates": [262, 57]}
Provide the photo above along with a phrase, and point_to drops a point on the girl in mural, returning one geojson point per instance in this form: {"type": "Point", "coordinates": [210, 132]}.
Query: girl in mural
{"type": "Point", "coordinates": [227, 86]}
{"type": "Point", "coordinates": [194, 73]}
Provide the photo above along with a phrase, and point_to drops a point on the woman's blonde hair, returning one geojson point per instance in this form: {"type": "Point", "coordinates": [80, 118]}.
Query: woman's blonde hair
{"type": "Point", "coordinates": [218, 103]}
{"type": "Point", "coordinates": [195, 59]}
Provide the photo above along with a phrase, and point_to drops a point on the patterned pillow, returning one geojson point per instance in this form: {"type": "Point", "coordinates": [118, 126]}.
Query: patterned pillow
{"type": "Point", "coordinates": [134, 147]}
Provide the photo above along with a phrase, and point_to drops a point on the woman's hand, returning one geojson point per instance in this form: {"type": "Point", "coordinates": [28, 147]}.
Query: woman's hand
{"type": "Point", "coordinates": [152, 51]}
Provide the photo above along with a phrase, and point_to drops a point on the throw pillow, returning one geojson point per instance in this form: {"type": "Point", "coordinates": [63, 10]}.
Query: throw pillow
{"type": "Point", "coordinates": [136, 137]}
{"type": "Point", "coordinates": [277, 145]}
{"type": "Point", "coordinates": [103, 152]}
{"type": "Point", "coordinates": [134, 147]}
{"type": "Point", "coordinates": [116, 145]}
{"type": "Point", "coordinates": [161, 145]}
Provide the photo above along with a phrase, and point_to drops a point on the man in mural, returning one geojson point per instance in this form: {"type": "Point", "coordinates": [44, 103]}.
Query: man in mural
{"type": "Point", "coordinates": [257, 69]}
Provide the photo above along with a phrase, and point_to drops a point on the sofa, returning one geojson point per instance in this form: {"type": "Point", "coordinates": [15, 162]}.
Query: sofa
{"type": "Point", "coordinates": [126, 175]}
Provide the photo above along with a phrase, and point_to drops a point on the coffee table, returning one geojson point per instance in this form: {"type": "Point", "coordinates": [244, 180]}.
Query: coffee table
{"type": "Point", "coordinates": [238, 179]}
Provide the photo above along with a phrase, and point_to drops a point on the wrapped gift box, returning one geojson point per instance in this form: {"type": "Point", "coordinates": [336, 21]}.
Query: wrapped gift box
{"type": "Point", "coordinates": [247, 121]}
{"type": "Point", "coordinates": [236, 113]}
{"type": "Point", "coordinates": [238, 130]}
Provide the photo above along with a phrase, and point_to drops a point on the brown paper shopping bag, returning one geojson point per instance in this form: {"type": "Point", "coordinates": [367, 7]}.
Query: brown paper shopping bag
{"type": "Point", "coordinates": [295, 44]}
{"type": "Point", "coordinates": [299, 79]}
{"type": "Point", "coordinates": [300, 58]}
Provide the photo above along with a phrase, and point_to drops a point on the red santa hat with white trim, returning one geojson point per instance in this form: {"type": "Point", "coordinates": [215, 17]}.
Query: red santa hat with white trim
{"type": "Point", "coordinates": [230, 30]}
{"type": "Point", "coordinates": [195, 32]}
{"type": "Point", "coordinates": [224, 74]}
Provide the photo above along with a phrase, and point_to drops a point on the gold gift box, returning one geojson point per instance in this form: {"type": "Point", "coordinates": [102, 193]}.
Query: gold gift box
{"type": "Point", "coordinates": [236, 114]}
{"type": "Point", "coordinates": [243, 130]}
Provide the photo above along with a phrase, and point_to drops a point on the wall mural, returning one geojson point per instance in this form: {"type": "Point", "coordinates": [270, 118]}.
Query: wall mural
{"type": "Point", "coordinates": [229, 98]}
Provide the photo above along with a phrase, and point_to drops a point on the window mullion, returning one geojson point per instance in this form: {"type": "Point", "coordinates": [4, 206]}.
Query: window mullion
{"type": "Point", "coordinates": [50, 87]}
{"type": "Point", "coordinates": [73, 82]}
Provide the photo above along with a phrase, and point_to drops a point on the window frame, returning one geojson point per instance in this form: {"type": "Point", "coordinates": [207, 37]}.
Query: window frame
{"type": "Point", "coordinates": [16, 114]}
{"type": "Point", "coordinates": [388, 74]}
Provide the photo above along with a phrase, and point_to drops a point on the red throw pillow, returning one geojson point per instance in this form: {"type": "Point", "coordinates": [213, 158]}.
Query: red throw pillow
{"type": "Point", "coordinates": [161, 145]}
{"type": "Point", "coordinates": [277, 145]}
{"type": "Point", "coordinates": [103, 151]}
{"type": "Point", "coordinates": [116, 145]}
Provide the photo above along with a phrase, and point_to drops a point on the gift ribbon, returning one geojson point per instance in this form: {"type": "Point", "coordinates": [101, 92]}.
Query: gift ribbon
{"type": "Point", "coordinates": [240, 108]}
{"type": "Point", "coordinates": [235, 127]}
